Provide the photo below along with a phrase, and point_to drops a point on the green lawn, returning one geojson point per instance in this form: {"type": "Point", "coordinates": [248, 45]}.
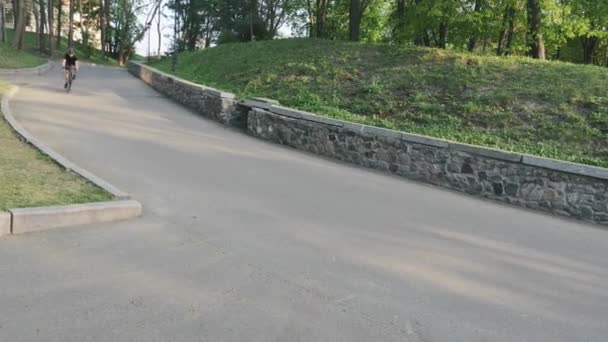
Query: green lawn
{"type": "Point", "coordinates": [550, 109]}
{"type": "Point", "coordinates": [30, 179]}
{"type": "Point", "coordinates": [14, 59]}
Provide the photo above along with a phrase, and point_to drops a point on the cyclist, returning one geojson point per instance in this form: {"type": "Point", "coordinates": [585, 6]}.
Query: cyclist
{"type": "Point", "coordinates": [70, 61]}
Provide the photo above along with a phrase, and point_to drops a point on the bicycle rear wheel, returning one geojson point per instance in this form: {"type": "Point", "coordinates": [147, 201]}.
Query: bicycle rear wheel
{"type": "Point", "coordinates": [69, 81]}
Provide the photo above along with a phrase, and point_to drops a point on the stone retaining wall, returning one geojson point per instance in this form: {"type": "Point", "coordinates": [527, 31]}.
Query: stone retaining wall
{"type": "Point", "coordinates": [561, 188]}
{"type": "Point", "coordinates": [209, 102]}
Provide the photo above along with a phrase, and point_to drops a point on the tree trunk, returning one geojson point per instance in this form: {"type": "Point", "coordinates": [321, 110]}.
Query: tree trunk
{"type": "Point", "coordinates": [534, 39]}
{"type": "Point", "coordinates": [321, 16]}
{"type": "Point", "coordinates": [2, 21]}
{"type": "Point", "coordinates": [33, 15]}
{"type": "Point", "coordinates": [511, 30]}
{"type": "Point", "coordinates": [15, 10]}
{"type": "Point", "coordinates": [400, 21]}
{"type": "Point", "coordinates": [71, 23]}
{"type": "Point", "coordinates": [59, 11]}
{"type": "Point", "coordinates": [443, 34]}
{"type": "Point", "coordinates": [50, 20]}
{"type": "Point", "coordinates": [158, 30]}
{"type": "Point", "coordinates": [311, 19]}
{"type": "Point", "coordinates": [422, 37]}
{"type": "Point", "coordinates": [42, 23]}
{"type": "Point", "coordinates": [19, 24]}
{"type": "Point", "coordinates": [102, 27]}
{"type": "Point", "coordinates": [473, 38]}
{"type": "Point", "coordinates": [589, 45]}
{"type": "Point", "coordinates": [106, 14]}
{"type": "Point", "coordinates": [355, 20]}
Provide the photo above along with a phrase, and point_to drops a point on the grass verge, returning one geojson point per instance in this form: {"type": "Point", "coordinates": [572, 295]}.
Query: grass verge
{"type": "Point", "coordinates": [14, 59]}
{"type": "Point", "coordinates": [31, 47]}
{"type": "Point", "coordinates": [29, 178]}
{"type": "Point", "coordinates": [551, 109]}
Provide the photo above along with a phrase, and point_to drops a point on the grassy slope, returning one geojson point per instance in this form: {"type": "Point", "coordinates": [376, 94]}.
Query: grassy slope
{"type": "Point", "coordinates": [14, 59]}
{"type": "Point", "coordinates": [31, 47]}
{"type": "Point", "coordinates": [29, 179]}
{"type": "Point", "coordinates": [550, 109]}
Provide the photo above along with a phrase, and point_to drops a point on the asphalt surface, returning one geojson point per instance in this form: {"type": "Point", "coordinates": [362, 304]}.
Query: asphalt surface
{"type": "Point", "coordinates": [243, 240]}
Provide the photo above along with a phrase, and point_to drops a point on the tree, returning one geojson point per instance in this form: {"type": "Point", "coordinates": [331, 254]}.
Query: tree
{"type": "Point", "coordinates": [125, 30]}
{"type": "Point", "coordinates": [20, 7]}
{"type": "Point", "coordinates": [59, 21]}
{"type": "Point", "coordinates": [534, 38]}
{"type": "Point", "coordinates": [400, 27]}
{"type": "Point", "coordinates": [2, 23]}
{"type": "Point", "coordinates": [473, 39]}
{"type": "Point", "coordinates": [42, 26]}
{"type": "Point", "coordinates": [355, 20]}
{"type": "Point", "coordinates": [50, 21]}
{"type": "Point", "coordinates": [71, 23]}
{"type": "Point", "coordinates": [594, 17]}
{"type": "Point", "coordinates": [505, 37]}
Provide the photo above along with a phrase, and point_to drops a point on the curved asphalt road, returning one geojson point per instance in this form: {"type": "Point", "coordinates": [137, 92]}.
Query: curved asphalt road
{"type": "Point", "coordinates": [242, 240]}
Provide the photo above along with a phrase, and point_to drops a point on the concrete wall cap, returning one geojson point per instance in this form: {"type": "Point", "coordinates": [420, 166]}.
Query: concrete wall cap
{"type": "Point", "coordinates": [487, 152]}
{"type": "Point", "coordinates": [562, 166]}
{"type": "Point", "coordinates": [381, 132]}
{"type": "Point", "coordinates": [265, 100]}
{"type": "Point", "coordinates": [424, 140]}
{"type": "Point", "coordinates": [286, 111]}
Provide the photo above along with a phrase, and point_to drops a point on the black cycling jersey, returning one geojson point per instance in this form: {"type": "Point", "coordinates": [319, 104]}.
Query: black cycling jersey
{"type": "Point", "coordinates": [70, 60]}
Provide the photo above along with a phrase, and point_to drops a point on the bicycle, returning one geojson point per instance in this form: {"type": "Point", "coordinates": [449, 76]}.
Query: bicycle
{"type": "Point", "coordinates": [71, 77]}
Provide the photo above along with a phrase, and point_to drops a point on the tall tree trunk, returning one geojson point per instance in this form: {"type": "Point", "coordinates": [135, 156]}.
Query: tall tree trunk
{"type": "Point", "coordinates": [33, 14]}
{"type": "Point", "coordinates": [158, 30]}
{"type": "Point", "coordinates": [422, 37]}
{"type": "Point", "coordinates": [589, 45]}
{"type": "Point", "coordinates": [443, 34]}
{"type": "Point", "coordinates": [15, 10]}
{"type": "Point", "coordinates": [19, 24]}
{"type": "Point", "coordinates": [321, 17]}
{"type": "Point", "coordinates": [106, 14]}
{"type": "Point", "coordinates": [400, 30]}
{"type": "Point", "coordinates": [42, 23]}
{"type": "Point", "coordinates": [355, 20]}
{"type": "Point", "coordinates": [102, 27]}
{"type": "Point", "coordinates": [71, 23]}
{"type": "Point", "coordinates": [59, 12]}
{"type": "Point", "coordinates": [511, 29]}
{"type": "Point", "coordinates": [2, 22]}
{"type": "Point", "coordinates": [311, 19]}
{"type": "Point", "coordinates": [473, 38]}
{"type": "Point", "coordinates": [506, 30]}
{"type": "Point", "coordinates": [50, 20]}
{"type": "Point", "coordinates": [534, 38]}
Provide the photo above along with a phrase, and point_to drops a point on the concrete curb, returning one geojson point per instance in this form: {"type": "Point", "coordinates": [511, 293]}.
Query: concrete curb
{"type": "Point", "coordinates": [39, 70]}
{"type": "Point", "coordinates": [35, 219]}
{"type": "Point", "coordinates": [28, 220]}
{"type": "Point", "coordinates": [5, 223]}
